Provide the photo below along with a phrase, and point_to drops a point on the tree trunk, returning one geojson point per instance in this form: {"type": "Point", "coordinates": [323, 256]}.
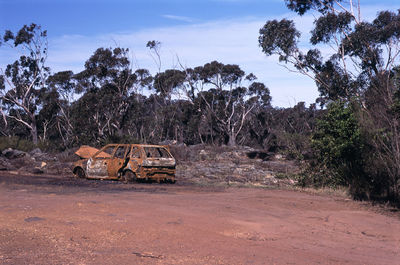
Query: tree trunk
{"type": "Point", "coordinates": [232, 139]}
{"type": "Point", "coordinates": [120, 132]}
{"type": "Point", "coordinates": [34, 133]}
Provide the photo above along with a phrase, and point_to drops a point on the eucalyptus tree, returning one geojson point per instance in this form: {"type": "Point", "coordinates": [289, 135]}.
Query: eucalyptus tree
{"type": "Point", "coordinates": [56, 111]}
{"type": "Point", "coordinates": [360, 69]}
{"type": "Point", "coordinates": [362, 51]}
{"type": "Point", "coordinates": [111, 84]}
{"type": "Point", "coordinates": [21, 82]}
{"type": "Point", "coordinates": [226, 97]}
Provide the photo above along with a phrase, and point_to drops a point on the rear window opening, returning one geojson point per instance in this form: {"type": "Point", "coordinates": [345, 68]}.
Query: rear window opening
{"type": "Point", "coordinates": [157, 152]}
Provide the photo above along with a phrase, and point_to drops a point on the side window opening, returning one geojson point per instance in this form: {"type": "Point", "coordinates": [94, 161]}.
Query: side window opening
{"type": "Point", "coordinates": [149, 152]}
{"type": "Point", "coordinates": [120, 152]}
{"type": "Point", "coordinates": [106, 153]}
{"type": "Point", "coordinates": [135, 152]}
{"type": "Point", "coordinates": [156, 152]}
{"type": "Point", "coordinates": [163, 153]}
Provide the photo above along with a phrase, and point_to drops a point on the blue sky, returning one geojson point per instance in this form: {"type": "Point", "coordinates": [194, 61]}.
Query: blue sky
{"type": "Point", "coordinates": [194, 31]}
{"type": "Point", "coordinates": [104, 16]}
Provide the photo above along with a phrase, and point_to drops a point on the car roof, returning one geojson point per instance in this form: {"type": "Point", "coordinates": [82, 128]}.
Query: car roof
{"type": "Point", "coordinates": [144, 145]}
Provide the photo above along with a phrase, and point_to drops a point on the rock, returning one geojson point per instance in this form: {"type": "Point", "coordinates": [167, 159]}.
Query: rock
{"type": "Point", "coordinates": [35, 151]}
{"type": "Point", "coordinates": [12, 154]}
{"type": "Point", "coordinates": [168, 142]}
{"type": "Point", "coordinates": [33, 219]}
{"type": "Point", "coordinates": [5, 164]}
{"type": "Point", "coordinates": [203, 154]}
{"type": "Point", "coordinates": [292, 182]}
{"type": "Point", "coordinates": [259, 155]}
{"type": "Point", "coordinates": [269, 175]}
{"type": "Point", "coordinates": [238, 171]}
{"type": "Point", "coordinates": [25, 163]}
{"type": "Point", "coordinates": [37, 171]}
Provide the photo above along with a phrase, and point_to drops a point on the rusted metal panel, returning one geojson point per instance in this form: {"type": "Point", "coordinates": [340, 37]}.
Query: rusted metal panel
{"type": "Point", "coordinates": [114, 160]}
{"type": "Point", "coordinates": [86, 151]}
{"type": "Point", "coordinates": [97, 168]}
{"type": "Point", "coordinates": [159, 162]}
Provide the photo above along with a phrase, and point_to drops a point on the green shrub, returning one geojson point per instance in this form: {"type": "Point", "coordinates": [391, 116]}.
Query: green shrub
{"type": "Point", "coordinates": [16, 142]}
{"type": "Point", "coordinates": [339, 150]}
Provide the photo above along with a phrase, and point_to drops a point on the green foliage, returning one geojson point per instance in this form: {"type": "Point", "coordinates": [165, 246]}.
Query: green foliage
{"type": "Point", "coordinates": [166, 82]}
{"type": "Point", "coordinates": [25, 77]}
{"type": "Point", "coordinates": [338, 146]}
{"type": "Point", "coordinates": [279, 37]}
{"type": "Point", "coordinates": [327, 26]}
{"type": "Point", "coordinates": [303, 6]}
{"type": "Point", "coordinates": [357, 142]}
{"type": "Point", "coordinates": [19, 143]}
{"type": "Point", "coordinates": [295, 144]}
{"type": "Point", "coordinates": [16, 142]}
{"type": "Point", "coordinates": [362, 51]}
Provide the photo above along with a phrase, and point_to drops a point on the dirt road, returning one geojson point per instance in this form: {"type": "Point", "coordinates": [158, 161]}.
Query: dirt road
{"type": "Point", "coordinates": [59, 220]}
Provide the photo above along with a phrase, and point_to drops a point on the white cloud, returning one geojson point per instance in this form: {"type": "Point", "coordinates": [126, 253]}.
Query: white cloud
{"type": "Point", "coordinates": [179, 18]}
{"type": "Point", "coordinates": [228, 41]}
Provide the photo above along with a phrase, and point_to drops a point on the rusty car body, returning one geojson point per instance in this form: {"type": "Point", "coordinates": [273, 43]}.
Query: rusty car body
{"type": "Point", "coordinates": [126, 162]}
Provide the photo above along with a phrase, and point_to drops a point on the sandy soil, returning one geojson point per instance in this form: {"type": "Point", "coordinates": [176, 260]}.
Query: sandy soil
{"type": "Point", "coordinates": [60, 220]}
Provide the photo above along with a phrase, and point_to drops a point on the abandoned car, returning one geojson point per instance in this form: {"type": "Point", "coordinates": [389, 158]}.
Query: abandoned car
{"type": "Point", "coordinates": [126, 162]}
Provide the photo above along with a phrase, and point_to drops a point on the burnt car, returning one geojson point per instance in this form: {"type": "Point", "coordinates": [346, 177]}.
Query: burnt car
{"type": "Point", "coordinates": [126, 162]}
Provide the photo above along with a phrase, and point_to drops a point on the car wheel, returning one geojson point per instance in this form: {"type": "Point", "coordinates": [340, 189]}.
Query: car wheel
{"type": "Point", "coordinates": [80, 173]}
{"type": "Point", "coordinates": [129, 176]}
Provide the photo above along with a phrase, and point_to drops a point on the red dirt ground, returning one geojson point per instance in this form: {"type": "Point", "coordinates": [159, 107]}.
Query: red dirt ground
{"type": "Point", "coordinates": [60, 220]}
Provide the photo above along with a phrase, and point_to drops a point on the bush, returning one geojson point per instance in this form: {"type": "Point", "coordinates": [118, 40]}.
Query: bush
{"type": "Point", "coordinates": [16, 142]}
{"type": "Point", "coordinates": [339, 149]}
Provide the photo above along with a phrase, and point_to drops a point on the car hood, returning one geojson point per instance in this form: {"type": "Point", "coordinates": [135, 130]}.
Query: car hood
{"type": "Point", "coordinates": [86, 151]}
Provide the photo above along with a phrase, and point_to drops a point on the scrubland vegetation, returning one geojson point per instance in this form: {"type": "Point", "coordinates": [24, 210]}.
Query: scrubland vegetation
{"type": "Point", "coordinates": [349, 137]}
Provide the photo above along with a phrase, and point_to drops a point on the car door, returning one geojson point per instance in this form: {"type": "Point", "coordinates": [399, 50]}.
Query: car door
{"type": "Point", "coordinates": [118, 160]}
{"type": "Point", "coordinates": [135, 160]}
{"type": "Point", "coordinates": [97, 165]}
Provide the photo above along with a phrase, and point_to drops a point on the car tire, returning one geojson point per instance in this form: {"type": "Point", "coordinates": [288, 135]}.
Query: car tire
{"type": "Point", "coordinates": [171, 181]}
{"type": "Point", "coordinates": [128, 176]}
{"type": "Point", "coordinates": [80, 173]}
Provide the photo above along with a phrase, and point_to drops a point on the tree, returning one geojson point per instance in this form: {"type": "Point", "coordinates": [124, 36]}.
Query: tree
{"type": "Point", "coordinates": [109, 84]}
{"type": "Point", "coordinates": [361, 69]}
{"type": "Point", "coordinates": [221, 95]}
{"type": "Point", "coordinates": [361, 51]}
{"type": "Point", "coordinates": [339, 145]}
{"type": "Point", "coordinates": [155, 47]}
{"type": "Point", "coordinates": [21, 82]}
{"type": "Point", "coordinates": [56, 109]}
{"type": "Point", "coordinates": [169, 82]}
{"type": "Point", "coordinates": [293, 128]}
{"type": "Point", "coordinates": [48, 116]}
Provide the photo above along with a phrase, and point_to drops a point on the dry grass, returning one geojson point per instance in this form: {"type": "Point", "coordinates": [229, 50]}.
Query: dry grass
{"type": "Point", "coordinates": [339, 191]}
